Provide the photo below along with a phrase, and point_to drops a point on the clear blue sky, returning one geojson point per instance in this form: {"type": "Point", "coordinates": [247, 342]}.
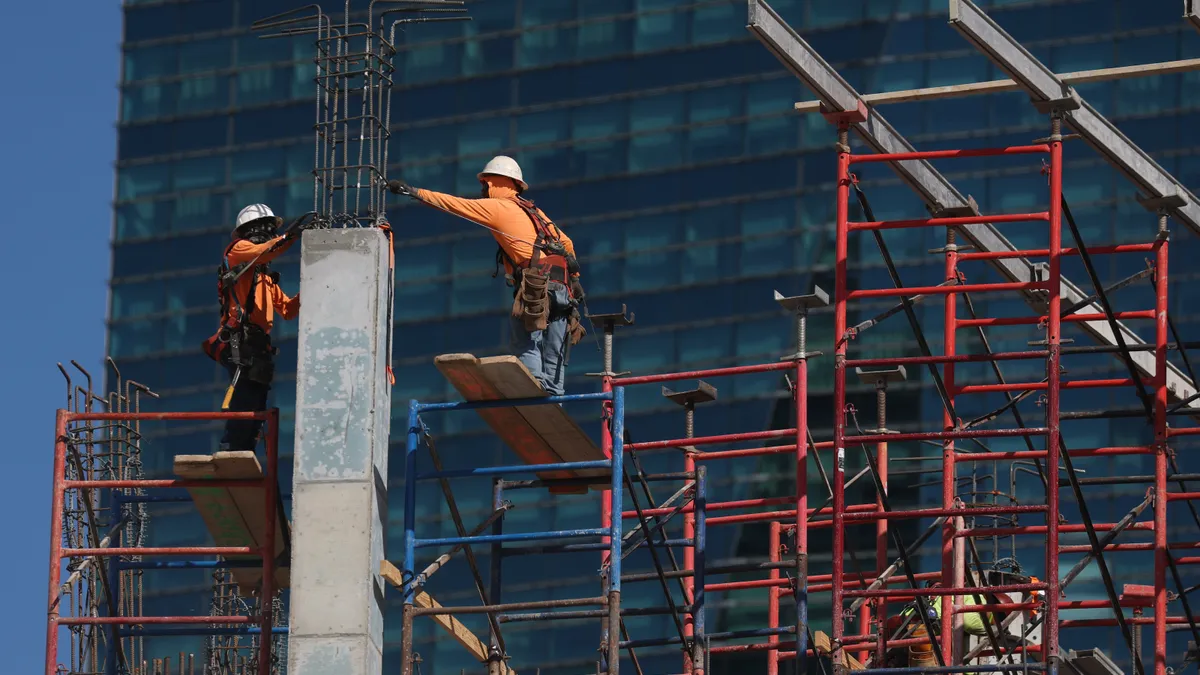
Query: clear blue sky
{"type": "Point", "coordinates": [57, 183]}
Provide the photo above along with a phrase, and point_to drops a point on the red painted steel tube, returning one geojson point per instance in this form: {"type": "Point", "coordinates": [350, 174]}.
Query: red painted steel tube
{"type": "Point", "coordinates": [689, 564]}
{"type": "Point", "coordinates": [1189, 431]}
{"type": "Point", "coordinates": [766, 516]}
{"type": "Point", "coordinates": [1000, 607]}
{"type": "Point", "coordinates": [841, 296]}
{"type": "Point", "coordinates": [56, 506]}
{"type": "Point", "coordinates": [801, 521]}
{"type": "Point", "coordinates": [773, 553]}
{"type": "Point", "coordinates": [1041, 529]}
{"type": "Point", "coordinates": [945, 290]}
{"type": "Point", "coordinates": [937, 513]}
{"type": "Point", "coordinates": [271, 511]}
{"type": "Point", "coordinates": [1183, 496]}
{"type": "Point", "coordinates": [1039, 454]}
{"type": "Point", "coordinates": [881, 559]}
{"type": "Point", "coordinates": [1042, 386]}
{"type": "Point", "coordinates": [857, 583]}
{"type": "Point", "coordinates": [756, 647]}
{"type": "Point", "coordinates": [700, 374]}
{"type": "Point", "coordinates": [745, 585]}
{"type": "Point", "coordinates": [1143, 546]}
{"type": "Point", "coordinates": [949, 467]}
{"type": "Point", "coordinates": [950, 154]}
{"type": "Point", "coordinates": [746, 452]}
{"type": "Point", "coordinates": [168, 483]}
{"type": "Point", "coordinates": [1054, 345]}
{"type": "Point", "coordinates": [1190, 560]}
{"type": "Point", "coordinates": [948, 222]}
{"type": "Point", "coordinates": [1037, 320]}
{"type": "Point", "coordinates": [717, 506]}
{"type": "Point", "coordinates": [1042, 252]}
{"type": "Point", "coordinates": [946, 591]}
{"type": "Point", "coordinates": [162, 416]}
{"type": "Point", "coordinates": [947, 435]}
{"type": "Point", "coordinates": [1132, 620]}
{"type": "Point", "coordinates": [147, 620]}
{"type": "Point", "coordinates": [998, 456]}
{"type": "Point", "coordinates": [1160, 458]}
{"type": "Point", "coordinates": [941, 358]}
{"type": "Point", "coordinates": [710, 440]}
{"type": "Point", "coordinates": [165, 550]}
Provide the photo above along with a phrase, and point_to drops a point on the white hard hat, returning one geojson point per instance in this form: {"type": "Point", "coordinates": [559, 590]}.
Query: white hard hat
{"type": "Point", "coordinates": [255, 212]}
{"type": "Point", "coordinates": [507, 167]}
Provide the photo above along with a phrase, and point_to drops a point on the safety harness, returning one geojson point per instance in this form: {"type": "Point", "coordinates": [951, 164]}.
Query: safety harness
{"type": "Point", "coordinates": [239, 340]}
{"type": "Point", "coordinates": [550, 257]}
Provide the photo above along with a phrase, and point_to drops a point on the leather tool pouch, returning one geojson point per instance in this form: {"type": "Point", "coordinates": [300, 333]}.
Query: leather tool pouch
{"type": "Point", "coordinates": [532, 302]}
{"type": "Point", "coordinates": [575, 329]}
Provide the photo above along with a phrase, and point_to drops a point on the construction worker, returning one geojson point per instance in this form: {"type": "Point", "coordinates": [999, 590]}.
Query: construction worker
{"type": "Point", "coordinates": [250, 297]}
{"type": "Point", "coordinates": [922, 655]}
{"type": "Point", "coordinates": [539, 263]}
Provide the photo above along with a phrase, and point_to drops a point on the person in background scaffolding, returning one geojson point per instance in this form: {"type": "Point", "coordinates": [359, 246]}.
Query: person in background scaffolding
{"type": "Point", "coordinates": [921, 655]}
{"type": "Point", "coordinates": [250, 297]}
{"type": "Point", "coordinates": [539, 263]}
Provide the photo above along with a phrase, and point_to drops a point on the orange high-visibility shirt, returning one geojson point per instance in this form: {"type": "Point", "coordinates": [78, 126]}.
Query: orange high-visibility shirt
{"type": "Point", "coordinates": [269, 298]}
{"type": "Point", "coordinates": [499, 212]}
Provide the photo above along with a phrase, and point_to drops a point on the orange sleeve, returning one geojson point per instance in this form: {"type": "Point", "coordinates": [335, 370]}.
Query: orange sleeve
{"type": "Point", "coordinates": [484, 211]}
{"type": "Point", "coordinates": [287, 307]}
{"type": "Point", "coordinates": [245, 250]}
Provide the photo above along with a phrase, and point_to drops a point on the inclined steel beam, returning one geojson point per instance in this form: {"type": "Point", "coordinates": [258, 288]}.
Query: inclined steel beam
{"type": "Point", "coordinates": [1159, 188]}
{"type": "Point", "coordinates": [1191, 12]}
{"type": "Point", "coordinates": [838, 98]}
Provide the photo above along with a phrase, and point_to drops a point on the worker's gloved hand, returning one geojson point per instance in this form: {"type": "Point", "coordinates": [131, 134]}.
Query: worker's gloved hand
{"type": "Point", "coordinates": [399, 187]}
{"type": "Point", "coordinates": [577, 289]}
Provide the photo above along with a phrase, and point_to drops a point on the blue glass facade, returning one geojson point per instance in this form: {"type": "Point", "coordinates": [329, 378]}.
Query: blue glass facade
{"type": "Point", "coordinates": [660, 134]}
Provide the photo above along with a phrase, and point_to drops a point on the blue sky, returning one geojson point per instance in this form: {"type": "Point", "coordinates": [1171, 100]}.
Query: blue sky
{"type": "Point", "coordinates": [57, 180]}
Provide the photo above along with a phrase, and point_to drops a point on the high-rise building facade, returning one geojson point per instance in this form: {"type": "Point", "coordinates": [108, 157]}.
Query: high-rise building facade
{"type": "Point", "coordinates": [660, 135]}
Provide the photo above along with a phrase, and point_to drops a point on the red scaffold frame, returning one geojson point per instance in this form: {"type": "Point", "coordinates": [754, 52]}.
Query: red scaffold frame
{"type": "Point", "coordinates": [58, 553]}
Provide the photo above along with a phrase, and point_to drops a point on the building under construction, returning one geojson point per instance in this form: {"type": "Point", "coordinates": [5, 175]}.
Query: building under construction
{"type": "Point", "coordinates": [870, 542]}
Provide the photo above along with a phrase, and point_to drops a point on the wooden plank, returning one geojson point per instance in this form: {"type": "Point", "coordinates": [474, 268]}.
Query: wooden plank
{"type": "Point", "coordinates": [824, 646]}
{"type": "Point", "coordinates": [226, 522]}
{"type": "Point", "coordinates": [249, 501]}
{"type": "Point", "coordinates": [462, 370]}
{"type": "Point", "coordinates": [513, 380]}
{"type": "Point", "coordinates": [461, 634]}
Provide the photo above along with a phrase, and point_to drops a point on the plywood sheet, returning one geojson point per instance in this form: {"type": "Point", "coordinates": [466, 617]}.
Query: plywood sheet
{"type": "Point", "coordinates": [234, 516]}
{"type": "Point", "coordinates": [513, 380]}
{"type": "Point", "coordinates": [464, 372]}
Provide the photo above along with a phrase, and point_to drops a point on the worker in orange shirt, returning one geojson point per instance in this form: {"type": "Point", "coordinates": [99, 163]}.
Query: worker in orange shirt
{"type": "Point", "coordinates": [250, 297]}
{"type": "Point", "coordinates": [539, 263]}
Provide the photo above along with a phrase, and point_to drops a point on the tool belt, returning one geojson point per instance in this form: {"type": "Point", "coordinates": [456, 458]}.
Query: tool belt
{"type": "Point", "coordinates": [531, 303]}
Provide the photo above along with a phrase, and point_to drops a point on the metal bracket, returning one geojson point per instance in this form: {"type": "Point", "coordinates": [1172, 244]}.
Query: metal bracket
{"type": "Point", "coordinates": [703, 393]}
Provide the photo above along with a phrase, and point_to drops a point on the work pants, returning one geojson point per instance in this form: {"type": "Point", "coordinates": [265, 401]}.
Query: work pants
{"type": "Point", "coordinates": [250, 395]}
{"type": "Point", "coordinates": [545, 352]}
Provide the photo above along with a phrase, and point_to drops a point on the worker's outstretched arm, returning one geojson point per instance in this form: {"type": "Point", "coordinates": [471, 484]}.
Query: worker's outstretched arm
{"type": "Point", "coordinates": [287, 307]}
{"type": "Point", "coordinates": [245, 250]}
{"type": "Point", "coordinates": [483, 211]}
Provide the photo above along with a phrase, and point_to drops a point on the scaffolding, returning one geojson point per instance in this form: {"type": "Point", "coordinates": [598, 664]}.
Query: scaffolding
{"type": "Point", "coordinates": [968, 612]}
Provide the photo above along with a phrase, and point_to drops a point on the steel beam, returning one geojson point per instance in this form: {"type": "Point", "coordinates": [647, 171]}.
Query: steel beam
{"type": "Point", "coordinates": [840, 99]}
{"type": "Point", "coordinates": [1159, 188]}
{"type": "Point", "coordinates": [1191, 12]}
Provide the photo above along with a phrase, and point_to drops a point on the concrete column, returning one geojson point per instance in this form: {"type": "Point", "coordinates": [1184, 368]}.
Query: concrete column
{"type": "Point", "coordinates": [343, 410]}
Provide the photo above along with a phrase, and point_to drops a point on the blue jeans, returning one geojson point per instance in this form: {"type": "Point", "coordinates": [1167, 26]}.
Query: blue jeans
{"type": "Point", "coordinates": [544, 352]}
